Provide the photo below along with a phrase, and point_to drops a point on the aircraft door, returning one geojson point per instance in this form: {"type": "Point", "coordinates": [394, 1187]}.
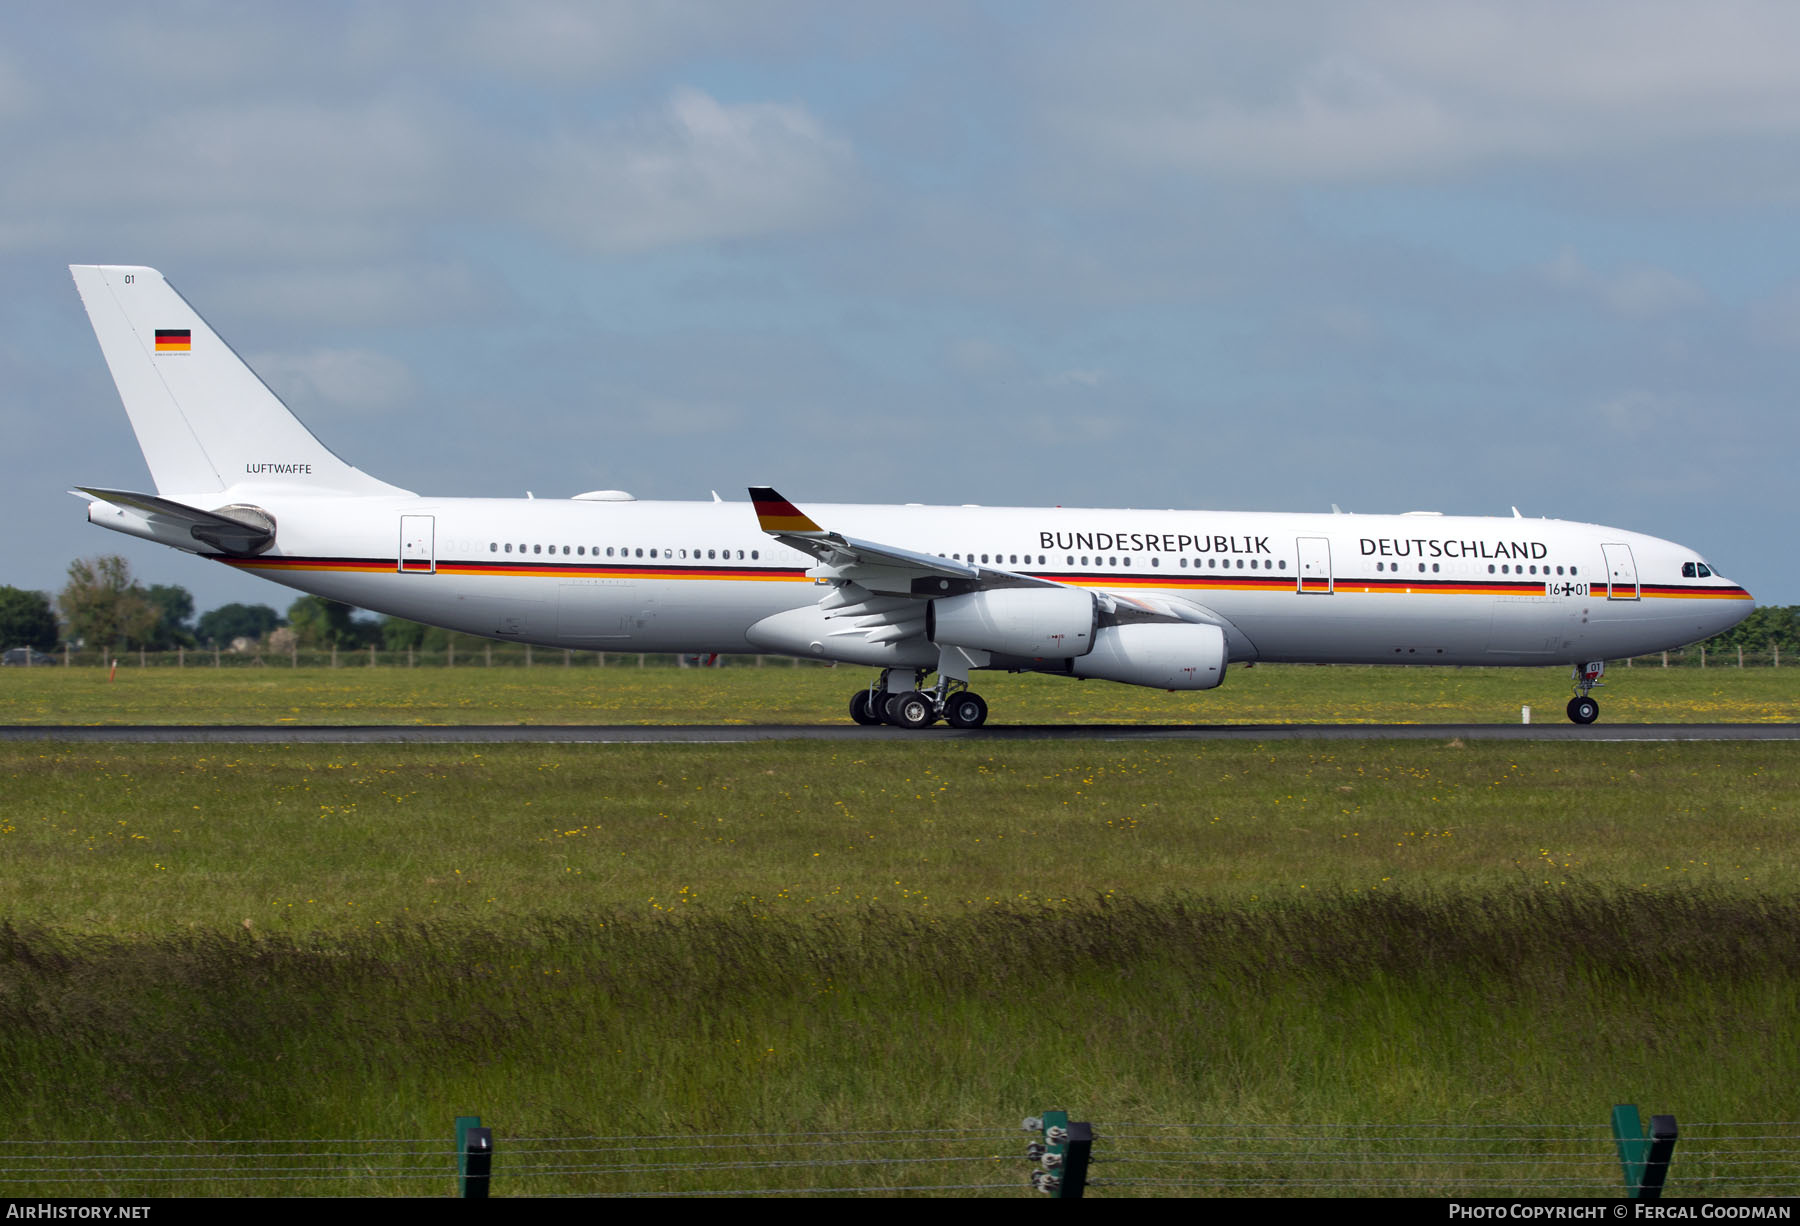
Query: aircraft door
{"type": "Point", "coordinates": [418, 553]}
{"type": "Point", "coordinates": [1315, 565]}
{"type": "Point", "coordinates": [1621, 572]}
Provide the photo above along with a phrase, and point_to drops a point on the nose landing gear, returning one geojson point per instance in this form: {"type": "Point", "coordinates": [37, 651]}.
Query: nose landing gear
{"type": "Point", "coordinates": [1583, 709]}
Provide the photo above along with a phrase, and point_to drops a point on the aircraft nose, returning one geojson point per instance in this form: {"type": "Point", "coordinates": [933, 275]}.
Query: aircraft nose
{"type": "Point", "coordinates": [1727, 613]}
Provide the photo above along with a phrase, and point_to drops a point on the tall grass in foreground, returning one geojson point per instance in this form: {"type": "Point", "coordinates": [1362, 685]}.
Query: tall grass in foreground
{"type": "Point", "coordinates": [1507, 1007]}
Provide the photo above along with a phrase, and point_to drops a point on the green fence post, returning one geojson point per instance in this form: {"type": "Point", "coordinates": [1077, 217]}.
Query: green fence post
{"type": "Point", "coordinates": [1644, 1160]}
{"type": "Point", "coordinates": [466, 1125]}
{"type": "Point", "coordinates": [1061, 1158]}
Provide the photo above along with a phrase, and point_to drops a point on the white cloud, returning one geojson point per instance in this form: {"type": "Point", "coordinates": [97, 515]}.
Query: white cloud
{"type": "Point", "coordinates": [695, 170]}
{"type": "Point", "coordinates": [1346, 90]}
{"type": "Point", "coordinates": [1639, 292]}
{"type": "Point", "coordinates": [691, 419]}
{"type": "Point", "coordinates": [1776, 319]}
{"type": "Point", "coordinates": [1637, 414]}
{"type": "Point", "coordinates": [358, 380]}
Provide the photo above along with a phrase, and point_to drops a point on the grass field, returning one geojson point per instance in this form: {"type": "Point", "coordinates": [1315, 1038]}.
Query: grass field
{"type": "Point", "coordinates": [779, 693]}
{"type": "Point", "coordinates": [570, 941]}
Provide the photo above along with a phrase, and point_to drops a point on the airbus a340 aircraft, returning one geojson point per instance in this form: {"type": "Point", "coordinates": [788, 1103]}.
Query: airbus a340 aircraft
{"type": "Point", "coordinates": [1164, 599]}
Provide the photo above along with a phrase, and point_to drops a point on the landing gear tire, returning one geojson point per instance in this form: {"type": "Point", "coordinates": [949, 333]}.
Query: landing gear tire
{"type": "Point", "coordinates": [966, 710]}
{"type": "Point", "coordinates": [861, 711]}
{"type": "Point", "coordinates": [912, 710]}
{"type": "Point", "coordinates": [1583, 710]}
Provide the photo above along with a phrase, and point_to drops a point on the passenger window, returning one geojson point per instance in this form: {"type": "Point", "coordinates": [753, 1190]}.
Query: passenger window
{"type": "Point", "coordinates": [509, 546]}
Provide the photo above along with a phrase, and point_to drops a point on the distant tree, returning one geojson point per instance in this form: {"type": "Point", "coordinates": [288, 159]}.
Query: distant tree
{"type": "Point", "coordinates": [230, 622]}
{"type": "Point", "coordinates": [397, 634]}
{"type": "Point", "coordinates": [104, 606]}
{"type": "Point", "coordinates": [1767, 627]}
{"type": "Point", "coordinates": [26, 619]}
{"type": "Point", "coordinates": [174, 609]}
{"type": "Point", "coordinates": [325, 623]}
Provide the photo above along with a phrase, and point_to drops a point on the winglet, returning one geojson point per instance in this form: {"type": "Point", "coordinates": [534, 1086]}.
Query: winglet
{"type": "Point", "coordinates": [777, 514]}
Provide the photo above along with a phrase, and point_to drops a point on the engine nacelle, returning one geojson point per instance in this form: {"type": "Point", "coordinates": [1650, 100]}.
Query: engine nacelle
{"type": "Point", "coordinates": [1162, 655]}
{"type": "Point", "coordinates": [1038, 622]}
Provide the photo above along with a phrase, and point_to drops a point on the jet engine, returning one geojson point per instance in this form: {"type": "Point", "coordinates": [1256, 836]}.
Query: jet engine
{"type": "Point", "coordinates": [1162, 655]}
{"type": "Point", "coordinates": [1037, 622]}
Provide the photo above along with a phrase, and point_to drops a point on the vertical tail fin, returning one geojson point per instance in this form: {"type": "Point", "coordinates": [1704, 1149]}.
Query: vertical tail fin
{"type": "Point", "coordinates": [204, 420]}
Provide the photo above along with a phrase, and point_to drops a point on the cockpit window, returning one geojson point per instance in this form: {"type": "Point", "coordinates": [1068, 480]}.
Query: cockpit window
{"type": "Point", "coordinates": [1696, 570]}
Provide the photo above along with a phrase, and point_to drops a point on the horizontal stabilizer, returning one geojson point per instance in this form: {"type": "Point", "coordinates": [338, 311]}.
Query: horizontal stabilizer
{"type": "Point", "coordinates": [237, 530]}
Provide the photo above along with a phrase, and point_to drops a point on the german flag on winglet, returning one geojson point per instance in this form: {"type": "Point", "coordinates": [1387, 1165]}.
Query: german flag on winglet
{"type": "Point", "coordinates": [777, 514]}
{"type": "Point", "coordinates": [174, 340]}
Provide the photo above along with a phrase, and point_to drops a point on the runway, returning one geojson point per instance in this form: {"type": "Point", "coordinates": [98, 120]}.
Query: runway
{"type": "Point", "coordinates": [717, 734]}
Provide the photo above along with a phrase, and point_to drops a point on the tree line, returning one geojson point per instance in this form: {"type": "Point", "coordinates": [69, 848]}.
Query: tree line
{"type": "Point", "coordinates": [102, 606]}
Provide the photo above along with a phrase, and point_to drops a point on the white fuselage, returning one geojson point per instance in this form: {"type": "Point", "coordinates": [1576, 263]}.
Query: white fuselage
{"type": "Point", "coordinates": [695, 576]}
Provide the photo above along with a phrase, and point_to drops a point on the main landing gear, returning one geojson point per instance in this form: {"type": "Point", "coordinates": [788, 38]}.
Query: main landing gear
{"type": "Point", "coordinates": [949, 700]}
{"type": "Point", "coordinates": [1583, 709]}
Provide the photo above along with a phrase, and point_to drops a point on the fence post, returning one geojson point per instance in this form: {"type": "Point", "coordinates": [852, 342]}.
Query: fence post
{"type": "Point", "coordinates": [1644, 1160]}
{"type": "Point", "coordinates": [474, 1157]}
{"type": "Point", "coordinates": [1062, 1156]}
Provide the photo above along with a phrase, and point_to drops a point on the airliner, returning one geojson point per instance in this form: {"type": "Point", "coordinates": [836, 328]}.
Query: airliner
{"type": "Point", "coordinates": [1163, 599]}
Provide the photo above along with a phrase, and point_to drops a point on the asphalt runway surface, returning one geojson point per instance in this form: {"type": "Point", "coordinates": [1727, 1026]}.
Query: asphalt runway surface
{"type": "Point", "coordinates": [715, 734]}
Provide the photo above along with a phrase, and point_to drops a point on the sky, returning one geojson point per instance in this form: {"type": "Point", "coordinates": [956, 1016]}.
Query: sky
{"type": "Point", "coordinates": [1393, 256]}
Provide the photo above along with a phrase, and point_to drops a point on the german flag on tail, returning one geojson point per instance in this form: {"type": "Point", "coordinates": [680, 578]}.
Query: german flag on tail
{"type": "Point", "coordinates": [174, 340]}
{"type": "Point", "coordinates": [777, 514]}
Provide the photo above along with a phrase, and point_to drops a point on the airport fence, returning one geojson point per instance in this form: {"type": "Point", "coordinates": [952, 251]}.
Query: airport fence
{"type": "Point", "coordinates": [476, 654]}
{"type": "Point", "coordinates": [1056, 1156]}
{"type": "Point", "coordinates": [482, 654]}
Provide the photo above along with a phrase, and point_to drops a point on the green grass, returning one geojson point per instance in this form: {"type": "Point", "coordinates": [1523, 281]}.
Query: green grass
{"type": "Point", "coordinates": [327, 942]}
{"type": "Point", "coordinates": [778, 693]}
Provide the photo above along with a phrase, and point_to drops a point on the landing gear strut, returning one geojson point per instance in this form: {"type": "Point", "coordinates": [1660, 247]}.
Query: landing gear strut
{"type": "Point", "coordinates": [886, 701]}
{"type": "Point", "coordinates": [1583, 709]}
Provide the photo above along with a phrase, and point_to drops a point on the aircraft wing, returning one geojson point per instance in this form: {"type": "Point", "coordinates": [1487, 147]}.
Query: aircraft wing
{"type": "Point", "coordinates": [885, 569]}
